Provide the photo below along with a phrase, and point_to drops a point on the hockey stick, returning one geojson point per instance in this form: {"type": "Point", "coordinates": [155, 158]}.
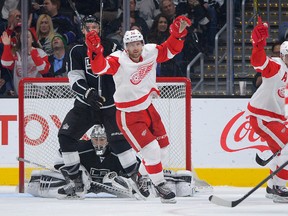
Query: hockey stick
{"type": "Point", "coordinates": [78, 15]}
{"type": "Point", "coordinates": [87, 29]}
{"type": "Point", "coordinates": [112, 190]}
{"type": "Point", "coordinates": [37, 164]}
{"type": "Point", "coordinates": [101, 16]}
{"type": "Point", "coordinates": [101, 20]}
{"type": "Point", "coordinates": [262, 162]}
{"type": "Point", "coordinates": [222, 202]}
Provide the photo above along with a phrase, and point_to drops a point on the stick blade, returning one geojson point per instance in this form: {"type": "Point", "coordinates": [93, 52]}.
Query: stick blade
{"type": "Point", "coordinates": [260, 161]}
{"type": "Point", "coordinates": [221, 202]}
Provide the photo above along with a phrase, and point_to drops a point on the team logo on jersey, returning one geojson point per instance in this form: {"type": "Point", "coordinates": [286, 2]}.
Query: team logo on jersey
{"type": "Point", "coordinates": [87, 65]}
{"type": "Point", "coordinates": [65, 127]}
{"type": "Point", "coordinates": [141, 72]}
{"type": "Point", "coordinates": [281, 92]}
{"type": "Point", "coordinates": [144, 133]}
{"type": "Point", "coordinates": [98, 174]}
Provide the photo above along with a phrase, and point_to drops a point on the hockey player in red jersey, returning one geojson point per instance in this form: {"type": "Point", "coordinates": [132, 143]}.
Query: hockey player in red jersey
{"type": "Point", "coordinates": [134, 74]}
{"type": "Point", "coordinates": [266, 107]}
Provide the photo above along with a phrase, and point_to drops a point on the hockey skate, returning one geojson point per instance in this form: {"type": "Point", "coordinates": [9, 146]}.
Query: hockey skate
{"type": "Point", "coordinates": [74, 189]}
{"type": "Point", "coordinates": [142, 183]}
{"type": "Point", "coordinates": [137, 185]}
{"type": "Point", "coordinates": [166, 195]}
{"type": "Point", "coordinates": [280, 194]}
{"type": "Point", "coordinates": [269, 193]}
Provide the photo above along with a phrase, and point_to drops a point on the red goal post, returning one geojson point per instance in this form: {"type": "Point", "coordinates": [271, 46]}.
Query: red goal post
{"type": "Point", "coordinates": [44, 102]}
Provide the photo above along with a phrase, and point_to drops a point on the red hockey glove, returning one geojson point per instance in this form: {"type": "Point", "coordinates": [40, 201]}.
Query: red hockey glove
{"type": "Point", "coordinates": [178, 27]}
{"type": "Point", "coordinates": [93, 41]}
{"type": "Point", "coordinates": [260, 34]}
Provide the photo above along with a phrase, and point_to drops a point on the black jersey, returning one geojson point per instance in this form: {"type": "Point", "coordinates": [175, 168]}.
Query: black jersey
{"type": "Point", "coordinates": [81, 77]}
{"type": "Point", "coordinates": [98, 166]}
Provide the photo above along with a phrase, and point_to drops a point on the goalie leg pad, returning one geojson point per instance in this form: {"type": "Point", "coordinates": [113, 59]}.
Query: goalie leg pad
{"type": "Point", "coordinates": [180, 182]}
{"type": "Point", "coordinates": [121, 183]}
{"type": "Point", "coordinates": [45, 183]}
{"type": "Point", "coordinates": [185, 185]}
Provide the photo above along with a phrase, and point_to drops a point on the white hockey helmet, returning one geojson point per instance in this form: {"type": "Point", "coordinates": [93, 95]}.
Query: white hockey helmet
{"type": "Point", "coordinates": [132, 36]}
{"type": "Point", "coordinates": [99, 139]}
{"type": "Point", "coordinates": [284, 51]}
{"type": "Point", "coordinates": [284, 48]}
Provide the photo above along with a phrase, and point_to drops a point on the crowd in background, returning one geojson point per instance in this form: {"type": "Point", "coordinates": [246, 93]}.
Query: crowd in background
{"type": "Point", "coordinates": [54, 29]}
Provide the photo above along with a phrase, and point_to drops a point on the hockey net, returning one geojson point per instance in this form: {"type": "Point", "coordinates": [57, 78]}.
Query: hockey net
{"type": "Point", "coordinates": [44, 103]}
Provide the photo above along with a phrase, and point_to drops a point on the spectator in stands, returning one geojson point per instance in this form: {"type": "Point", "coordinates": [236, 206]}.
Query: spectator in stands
{"type": "Point", "coordinates": [62, 24]}
{"type": "Point", "coordinates": [59, 58]}
{"type": "Point", "coordinates": [6, 6]}
{"type": "Point", "coordinates": [13, 30]}
{"type": "Point", "coordinates": [14, 22]}
{"type": "Point", "coordinates": [198, 14]}
{"type": "Point", "coordinates": [117, 36]}
{"type": "Point", "coordinates": [159, 33]}
{"type": "Point", "coordinates": [37, 64]}
{"type": "Point", "coordinates": [168, 8]}
{"type": "Point", "coordinates": [217, 16]}
{"type": "Point", "coordinates": [45, 32]}
{"type": "Point", "coordinates": [257, 80]}
{"type": "Point", "coordinates": [115, 25]}
{"type": "Point", "coordinates": [6, 82]}
{"type": "Point", "coordinates": [148, 10]}
{"type": "Point", "coordinates": [36, 9]}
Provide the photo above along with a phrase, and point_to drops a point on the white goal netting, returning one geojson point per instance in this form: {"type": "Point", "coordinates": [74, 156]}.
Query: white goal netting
{"type": "Point", "coordinates": [44, 103]}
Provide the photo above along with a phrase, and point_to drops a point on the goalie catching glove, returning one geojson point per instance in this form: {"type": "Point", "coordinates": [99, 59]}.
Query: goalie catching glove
{"type": "Point", "coordinates": [178, 27]}
{"type": "Point", "coordinates": [93, 99]}
{"type": "Point", "coordinates": [260, 34]}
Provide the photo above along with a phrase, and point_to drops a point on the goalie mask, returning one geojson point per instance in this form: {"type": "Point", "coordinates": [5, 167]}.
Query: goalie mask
{"type": "Point", "coordinates": [132, 36]}
{"type": "Point", "coordinates": [99, 139]}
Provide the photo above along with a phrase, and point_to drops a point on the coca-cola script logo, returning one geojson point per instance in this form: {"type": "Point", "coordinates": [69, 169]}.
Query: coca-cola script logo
{"type": "Point", "coordinates": [141, 72]}
{"type": "Point", "coordinates": [236, 131]}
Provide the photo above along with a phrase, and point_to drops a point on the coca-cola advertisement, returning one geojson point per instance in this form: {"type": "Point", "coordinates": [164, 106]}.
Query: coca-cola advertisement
{"type": "Point", "coordinates": [222, 136]}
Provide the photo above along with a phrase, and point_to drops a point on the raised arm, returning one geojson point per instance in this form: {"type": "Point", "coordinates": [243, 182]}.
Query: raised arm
{"type": "Point", "coordinates": [40, 59]}
{"type": "Point", "coordinates": [99, 64]}
{"type": "Point", "coordinates": [259, 60]}
{"type": "Point", "coordinates": [7, 59]}
{"type": "Point", "coordinates": [174, 44]}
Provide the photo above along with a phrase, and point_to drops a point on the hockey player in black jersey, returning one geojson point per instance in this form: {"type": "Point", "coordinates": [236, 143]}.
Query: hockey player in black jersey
{"type": "Point", "coordinates": [97, 158]}
{"type": "Point", "coordinates": [94, 104]}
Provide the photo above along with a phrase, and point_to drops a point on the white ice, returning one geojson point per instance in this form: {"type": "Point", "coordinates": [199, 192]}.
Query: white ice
{"type": "Point", "coordinates": [14, 204]}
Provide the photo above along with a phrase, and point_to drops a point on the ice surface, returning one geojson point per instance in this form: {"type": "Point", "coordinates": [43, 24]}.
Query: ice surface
{"type": "Point", "coordinates": [14, 204]}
